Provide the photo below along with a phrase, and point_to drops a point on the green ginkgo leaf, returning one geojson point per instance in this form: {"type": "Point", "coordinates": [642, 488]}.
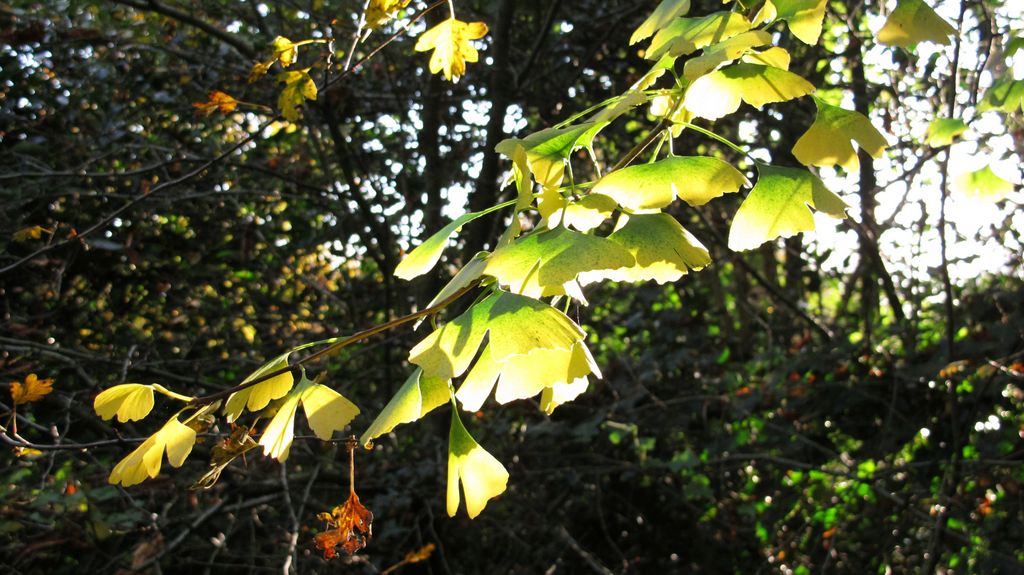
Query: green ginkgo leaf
{"type": "Point", "coordinates": [693, 179]}
{"type": "Point", "coordinates": [982, 186]}
{"type": "Point", "coordinates": [515, 325]}
{"type": "Point", "coordinates": [804, 17]}
{"type": "Point", "coordinates": [130, 402]}
{"type": "Point", "coordinates": [523, 376]}
{"type": "Point", "coordinates": [666, 11]}
{"type": "Point", "coordinates": [1005, 95]}
{"type": "Point", "coordinates": [298, 87]}
{"type": "Point", "coordinates": [778, 207]}
{"type": "Point", "coordinates": [914, 21]}
{"type": "Point", "coordinates": [482, 476]}
{"type": "Point", "coordinates": [828, 141]}
{"type": "Point", "coordinates": [942, 131]}
{"type": "Point", "coordinates": [542, 263]}
{"type": "Point", "coordinates": [724, 52]}
{"type": "Point", "coordinates": [720, 93]}
{"type": "Point", "coordinates": [663, 249]}
{"type": "Point", "coordinates": [687, 35]}
{"type": "Point", "coordinates": [418, 396]}
{"type": "Point", "coordinates": [548, 150]}
{"type": "Point", "coordinates": [258, 396]}
{"type": "Point", "coordinates": [426, 255]}
{"type": "Point", "coordinates": [174, 438]}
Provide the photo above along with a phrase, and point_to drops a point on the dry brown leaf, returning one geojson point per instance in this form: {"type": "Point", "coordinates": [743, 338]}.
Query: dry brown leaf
{"type": "Point", "coordinates": [219, 101]}
{"type": "Point", "coordinates": [349, 527]}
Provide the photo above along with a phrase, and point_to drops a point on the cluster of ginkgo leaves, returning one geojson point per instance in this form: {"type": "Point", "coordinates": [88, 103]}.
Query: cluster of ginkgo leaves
{"type": "Point", "coordinates": [514, 342]}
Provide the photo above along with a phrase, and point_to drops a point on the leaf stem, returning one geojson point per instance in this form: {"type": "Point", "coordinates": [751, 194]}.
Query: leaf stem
{"type": "Point", "coordinates": [715, 136]}
{"type": "Point", "coordinates": [173, 395]}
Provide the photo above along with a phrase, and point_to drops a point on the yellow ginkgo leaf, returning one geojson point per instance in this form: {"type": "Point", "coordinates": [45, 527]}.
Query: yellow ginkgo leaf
{"type": "Point", "coordinates": [258, 396]}
{"type": "Point", "coordinates": [130, 402]}
{"type": "Point", "coordinates": [828, 141]}
{"type": "Point", "coordinates": [562, 393]}
{"type": "Point", "coordinates": [174, 437]}
{"type": "Point", "coordinates": [804, 17]}
{"type": "Point", "coordinates": [450, 42]}
{"type": "Point", "coordinates": [327, 410]}
{"type": "Point", "coordinates": [720, 93]}
{"type": "Point", "coordinates": [914, 21]}
{"type": "Point", "coordinates": [33, 389]}
{"type": "Point", "coordinates": [482, 476]}
{"type": "Point", "coordinates": [277, 437]}
{"type": "Point", "coordinates": [983, 185]}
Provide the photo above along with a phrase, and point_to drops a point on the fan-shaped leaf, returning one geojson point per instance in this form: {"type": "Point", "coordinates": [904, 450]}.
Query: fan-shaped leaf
{"type": "Point", "coordinates": [666, 11]}
{"type": "Point", "coordinates": [418, 396]}
{"type": "Point", "coordinates": [982, 185]}
{"type": "Point", "coordinates": [914, 21]}
{"type": "Point", "coordinates": [174, 438]}
{"type": "Point", "coordinates": [805, 17]}
{"type": "Point", "coordinates": [694, 179]}
{"type": "Point", "coordinates": [130, 402]}
{"type": "Point", "coordinates": [942, 131]}
{"type": "Point", "coordinates": [827, 142]}
{"type": "Point", "coordinates": [687, 35]}
{"type": "Point", "coordinates": [663, 249]}
{"type": "Point", "coordinates": [719, 93]}
{"type": "Point", "coordinates": [482, 476]}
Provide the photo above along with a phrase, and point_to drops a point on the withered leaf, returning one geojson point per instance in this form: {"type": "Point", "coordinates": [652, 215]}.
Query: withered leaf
{"type": "Point", "coordinates": [349, 527]}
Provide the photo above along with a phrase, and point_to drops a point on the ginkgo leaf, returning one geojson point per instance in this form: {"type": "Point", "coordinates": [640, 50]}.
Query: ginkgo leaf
{"type": "Point", "coordinates": [587, 213]}
{"type": "Point", "coordinates": [327, 410]}
{"type": "Point", "coordinates": [33, 389]}
{"type": "Point", "coordinates": [775, 57]}
{"type": "Point", "coordinates": [778, 207]}
{"type": "Point", "coordinates": [217, 101]}
{"type": "Point", "coordinates": [144, 462]}
{"type": "Point", "coordinates": [982, 185]}
{"type": "Point", "coordinates": [562, 393]}
{"type": "Point", "coordinates": [693, 179]}
{"type": "Point", "coordinates": [1005, 95]}
{"type": "Point", "coordinates": [724, 52]}
{"type": "Point", "coordinates": [663, 249]}
{"type": "Point", "coordinates": [804, 17]}
{"type": "Point", "coordinates": [914, 21]}
{"type": "Point", "coordinates": [298, 87]}
{"type": "Point", "coordinates": [130, 402]}
{"type": "Point", "coordinates": [515, 325]}
{"type": "Point", "coordinates": [418, 396]}
{"type": "Point", "coordinates": [719, 93]}
{"type": "Point", "coordinates": [687, 35]}
{"type": "Point", "coordinates": [827, 142]}
{"type": "Point", "coordinates": [1013, 46]}
{"type": "Point", "coordinates": [523, 376]}
{"type": "Point", "coordinates": [278, 435]}
{"type": "Point", "coordinates": [426, 255]}
{"type": "Point", "coordinates": [664, 64]}
{"type": "Point", "coordinates": [942, 131]}
{"type": "Point", "coordinates": [450, 42]}
{"type": "Point", "coordinates": [465, 277]}
{"type": "Point", "coordinates": [666, 11]}
{"type": "Point", "coordinates": [524, 193]}
{"type": "Point", "coordinates": [258, 396]}
{"type": "Point", "coordinates": [285, 51]}
{"type": "Point", "coordinates": [541, 263]}
{"type": "Point", "coordinates": [482, 476]}
{"type": "Point", "coordinates": [548, 150]}
{"type": "Point", "coordinates": [379, 12]}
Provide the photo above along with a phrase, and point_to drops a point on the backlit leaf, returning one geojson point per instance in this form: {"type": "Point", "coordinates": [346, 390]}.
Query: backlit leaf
{"type": "Point", "coordinates": [463, 278]}
{"type": "Point", "coordinates": [775, 57]}
{"type": "Point", "coordinates": [130, 402]}
{"type": "Point", "coordinates": [285, 51]}
{"type": "Point", "coordinates": [666, 11]}
{"type": "Point", "coordinates": [663, 249]}
{"type": "Point", "coordinates": [914, 21]}
{"type": "Point", "coordinates": [548, 150]}
{"type": "Point", "coordinates": [450, 42]}
{"type": "Point", "coordinates": [562, 393]}
{"type": "Point", "coordinates": [258, 396]}
{"type": "Point", "coordinates": [778, 207]}
{"type": "Point", "coordinates": [541, 263]}
{"type": "Point", "coordinates": [298, 87]}
{"type": "Point", "coordinates": [418, 396]}
{"type": "Point", "coordinates": [515, 325]}
{"type": "Point", "coordinates": [804, 17]}
{"type": "Point", "coordinates": [587, 213]}
{"type": "Point", "coordinates": [942, 131]}
{"type": "Point", "coordinates": [378, 12]}
{"type": "Point", "coordinates": [35, 389]}
{"type": "Point", "coordinates": [693, 179]}
{"type": "Point", "coordinates": [719, 93]}
{"type": "Point", "coordinates": [982, 185]}
{"type": "Point", "coordinates": [327, 410]}
{"type": "Point", "coordinates": [1005, 95]}
{"type": "Point", "coordinates": [828, 141]}
{"type": "Point", "coordinates": [278, 435]}
{"type": "Point", "coordinates": [145, 461]}
{"type": "Point", "coordinates": [687, 35]}
{"type": "Point", "coordinates": [217, 101]}
{"type": "Point", "coordinates": [724, 52]}
{"type": "Point", "coordinates": [482, 476]}
{"type": "Point", "coordinates": [426, 255]}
